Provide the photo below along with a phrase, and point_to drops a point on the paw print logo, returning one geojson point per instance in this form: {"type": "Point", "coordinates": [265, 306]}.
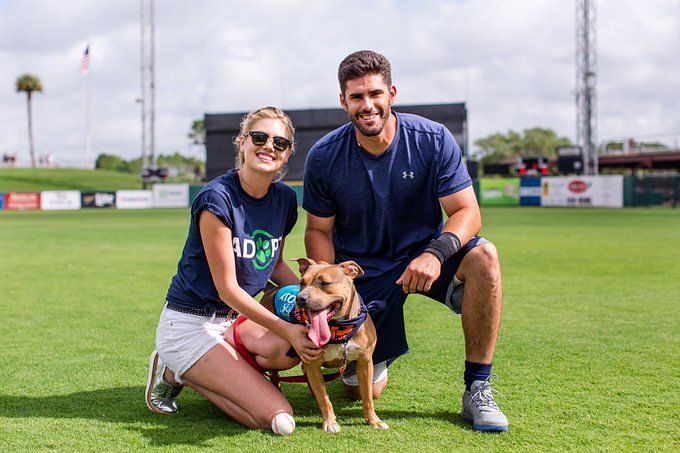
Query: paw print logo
{"type": "Point", "coordinates": [263, 249]}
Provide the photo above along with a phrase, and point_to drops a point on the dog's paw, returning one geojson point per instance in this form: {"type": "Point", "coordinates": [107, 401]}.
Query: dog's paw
{"type": "Point", "coordinates": [331, 427]}
{"type": "Point", "coordinates": [379, 425]}
{"type": "Point", "coordinates": [375, 423]}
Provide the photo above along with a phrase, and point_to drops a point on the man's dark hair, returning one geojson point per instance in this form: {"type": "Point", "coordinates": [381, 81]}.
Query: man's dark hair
{"type": "Point", "coordinates": [362, 63]}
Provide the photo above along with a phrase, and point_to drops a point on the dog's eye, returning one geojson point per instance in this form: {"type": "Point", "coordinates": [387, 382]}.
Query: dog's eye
{"type": "Point", "coordinates": [322, 283]}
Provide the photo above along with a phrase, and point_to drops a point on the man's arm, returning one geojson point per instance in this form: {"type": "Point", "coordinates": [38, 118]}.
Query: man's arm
{"type": "Point", "coordinates": [319, 238]}
{"type": "Point", "coordinates": [464, 220]}
{"type": "Point", "coordinates": [282, 274]}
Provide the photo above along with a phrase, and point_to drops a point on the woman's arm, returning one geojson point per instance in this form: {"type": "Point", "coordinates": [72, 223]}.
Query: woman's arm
{"type": "Point", "coordinates": [217, 242]}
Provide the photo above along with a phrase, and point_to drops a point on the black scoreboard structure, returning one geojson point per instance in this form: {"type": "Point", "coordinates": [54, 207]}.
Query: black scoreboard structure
{"type": "Point", "coordinates": [570, 160]}
{"type": "Point", "coordinates": [310, 125]}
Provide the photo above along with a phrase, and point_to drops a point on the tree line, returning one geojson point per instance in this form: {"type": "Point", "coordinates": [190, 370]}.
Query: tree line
{"type": "Point", "coordinates": [534, 142]}
{"type": "Point", "coordinates": [184, 165]}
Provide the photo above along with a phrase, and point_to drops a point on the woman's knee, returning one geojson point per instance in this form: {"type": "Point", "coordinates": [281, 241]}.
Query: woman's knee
{"type": "Point", "coordinates": [265, 418]}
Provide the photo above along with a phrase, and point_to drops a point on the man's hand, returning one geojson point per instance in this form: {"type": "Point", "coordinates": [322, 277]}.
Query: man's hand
{"type": "Point", "coordinates": [305, 348]}
{"type": "Point", "coordinates": [420, 274]}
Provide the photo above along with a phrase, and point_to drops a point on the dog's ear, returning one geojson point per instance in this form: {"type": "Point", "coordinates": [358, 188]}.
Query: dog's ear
{"type": "Point", "coordinates": [352, 269]}
{"type": "Point", "coordinates": [304, 263]}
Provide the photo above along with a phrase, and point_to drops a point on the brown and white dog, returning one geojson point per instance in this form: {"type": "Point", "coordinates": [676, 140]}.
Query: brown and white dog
{"type": "Point", "coordinates": [328, 297]}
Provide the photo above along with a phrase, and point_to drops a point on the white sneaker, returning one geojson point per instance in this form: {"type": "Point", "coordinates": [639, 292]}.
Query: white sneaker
{"type": "Point", "coordinates": [160, 396]}
{"type": "Point", "coordinates": [480, 408]}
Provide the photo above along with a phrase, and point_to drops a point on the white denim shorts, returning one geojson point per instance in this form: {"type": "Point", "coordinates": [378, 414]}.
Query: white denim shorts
{"type": "Point", "coordinates": [182, 339]}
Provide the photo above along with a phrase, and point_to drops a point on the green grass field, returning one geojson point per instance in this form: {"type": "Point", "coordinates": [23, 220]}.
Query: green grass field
{"type": "Point", "coordinates": [588, 356]}
{"type": "Point", "coordinates": [26, 179]}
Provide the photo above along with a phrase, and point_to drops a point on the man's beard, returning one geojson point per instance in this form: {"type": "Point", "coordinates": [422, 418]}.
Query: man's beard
{"type": "Point", "coordinates": [374, 130]}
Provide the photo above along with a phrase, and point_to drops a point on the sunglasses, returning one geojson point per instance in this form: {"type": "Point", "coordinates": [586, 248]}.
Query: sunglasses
{"type": "Point", "coordinates": [260, 138]}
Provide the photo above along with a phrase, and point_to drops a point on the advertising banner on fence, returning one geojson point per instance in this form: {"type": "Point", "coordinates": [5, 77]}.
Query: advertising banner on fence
{"type": "Point", "coordinates": [499, 191]}
{"type": "Point", "coordinates": [583, 191]}
{"type": "Point", "coordinates": [170, 195]}
{"type": "Point", "coordinates": [1, 201]}
{"type": "Point", "coordinates": [61, 200]}
{"type": "Point", "coordinates": [22, 201]}
{"type": "Point", "coordinates": [98, 199]}
{"type": "Point", "coordinates": [530, 192]}
{"type": "Point", "coordinates": [134, 199]}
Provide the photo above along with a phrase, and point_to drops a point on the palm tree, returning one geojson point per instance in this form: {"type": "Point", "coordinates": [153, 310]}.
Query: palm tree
{"type": "Point", "coordinates": [197, 132]}
{"type": "Point", "coordinates": [29, 83]}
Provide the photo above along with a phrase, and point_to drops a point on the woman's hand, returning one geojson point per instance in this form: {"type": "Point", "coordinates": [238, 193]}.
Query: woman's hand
{"type": "Point", "coordinates": [296, 335]}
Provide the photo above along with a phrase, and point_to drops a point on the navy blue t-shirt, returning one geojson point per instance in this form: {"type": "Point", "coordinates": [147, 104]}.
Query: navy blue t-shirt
{"type": "Point", "coordinates": [257, 226]}
{"type": "Point", "coordinates": [386, 208]}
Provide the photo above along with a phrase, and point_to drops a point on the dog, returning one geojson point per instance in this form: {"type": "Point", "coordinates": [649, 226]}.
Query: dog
{"type": "Point", "coordinates": [329, 304]}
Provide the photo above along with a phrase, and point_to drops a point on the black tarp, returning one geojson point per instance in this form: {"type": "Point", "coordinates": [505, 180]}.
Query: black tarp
{"type": "Point", "coordinates": [311, 125]}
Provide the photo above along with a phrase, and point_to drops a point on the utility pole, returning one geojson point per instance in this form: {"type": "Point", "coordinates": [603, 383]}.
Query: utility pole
{"type": "Point", "coordinates": [586, 95]}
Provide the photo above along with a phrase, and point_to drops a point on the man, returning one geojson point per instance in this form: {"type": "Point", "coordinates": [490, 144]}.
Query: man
{"type": "Point", "coordinates": [374, 190]}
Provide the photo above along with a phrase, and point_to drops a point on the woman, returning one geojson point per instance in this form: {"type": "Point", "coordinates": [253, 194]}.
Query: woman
{"type": "Point", "coordinates": [234, 247]}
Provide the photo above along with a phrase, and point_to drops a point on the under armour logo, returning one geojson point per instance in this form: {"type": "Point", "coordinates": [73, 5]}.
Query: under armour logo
{"type": "Point", "coordinates": [408, 174]}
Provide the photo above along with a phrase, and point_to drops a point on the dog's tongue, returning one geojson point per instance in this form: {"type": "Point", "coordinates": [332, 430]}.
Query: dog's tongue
{"type": "Point", "coordinates": [319, 332]}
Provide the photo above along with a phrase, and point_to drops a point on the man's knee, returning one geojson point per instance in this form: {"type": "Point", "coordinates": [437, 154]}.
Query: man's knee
{"type": "Point", "coordinates": [352, 391]}
{"type": "Point", "coordinates": [351, 382]}
{"type": "Point", "coordinates": [482, 263]}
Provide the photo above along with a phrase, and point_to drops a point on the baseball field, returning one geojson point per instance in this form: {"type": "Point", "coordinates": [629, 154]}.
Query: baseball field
{"type": "Point", "coordinates": [588, 356]}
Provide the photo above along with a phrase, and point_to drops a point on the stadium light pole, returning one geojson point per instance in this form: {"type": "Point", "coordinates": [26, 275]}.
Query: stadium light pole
{"type": "Point", "coordinates": [142, 70]}
{"type": "Point", "coordinates": [152, 85]}
{"type": "Point", "coordinates": [147, 69]}
{"type": "Point", "coordinates": [586, 84]}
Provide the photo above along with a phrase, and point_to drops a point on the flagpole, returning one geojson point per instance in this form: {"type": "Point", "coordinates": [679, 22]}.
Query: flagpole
{"type": "Point", "coordinates": [88, 132]}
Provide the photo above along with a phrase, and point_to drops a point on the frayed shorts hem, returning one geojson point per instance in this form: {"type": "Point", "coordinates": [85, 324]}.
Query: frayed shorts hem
{"type": "Point", "coordinates": [182, 339]}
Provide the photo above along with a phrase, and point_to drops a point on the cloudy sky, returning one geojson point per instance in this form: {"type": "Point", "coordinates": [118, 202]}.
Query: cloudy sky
{"type": "Point", "coordinates": [511, 61]}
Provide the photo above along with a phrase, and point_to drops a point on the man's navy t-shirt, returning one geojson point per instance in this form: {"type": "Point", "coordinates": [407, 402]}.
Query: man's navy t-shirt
{"type": "Point", "coordinates": [258, 225]}
{"type": "Point", "coordinates": [386, 208]}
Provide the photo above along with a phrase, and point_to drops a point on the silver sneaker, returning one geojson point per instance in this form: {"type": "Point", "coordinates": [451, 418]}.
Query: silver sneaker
{"type": "Point", "coordinates": [160, 396]}
{"type": "Point", "coordinates": [480, 408]}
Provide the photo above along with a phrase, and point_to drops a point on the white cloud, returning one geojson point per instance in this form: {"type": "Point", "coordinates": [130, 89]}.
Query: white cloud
{"type": "Point", "coordinates": [513, 62]}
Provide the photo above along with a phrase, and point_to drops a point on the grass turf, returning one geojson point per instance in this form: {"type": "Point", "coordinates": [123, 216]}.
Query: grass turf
{"type": "Point", "coordinates": [588, 355]}
{"type": "Point", "coordinates": [27, 180]}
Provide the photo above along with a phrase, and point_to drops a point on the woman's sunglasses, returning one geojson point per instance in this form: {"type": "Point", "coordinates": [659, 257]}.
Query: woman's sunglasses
{"type": "Point", "coordinates": [260, 138]}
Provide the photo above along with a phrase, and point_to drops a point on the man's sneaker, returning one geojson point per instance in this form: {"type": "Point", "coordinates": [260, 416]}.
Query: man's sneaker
{"type": "Point", "coordinates": [160, 396]}
{"type": "Point", "coordinates": [480, 408]}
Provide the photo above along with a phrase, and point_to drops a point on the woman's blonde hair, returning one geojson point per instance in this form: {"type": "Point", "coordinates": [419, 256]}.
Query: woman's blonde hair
{"type": "Point", "coordinates": [253, 117]}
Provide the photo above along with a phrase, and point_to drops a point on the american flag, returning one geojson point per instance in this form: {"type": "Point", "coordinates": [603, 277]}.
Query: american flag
{"type": "Point", "coordinates": [85, 61]}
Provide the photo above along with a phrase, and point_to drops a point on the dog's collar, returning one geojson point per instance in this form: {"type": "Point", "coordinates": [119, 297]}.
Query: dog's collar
{"type": "Point", "coordinates": [344, 329]}
{"type": "Point", "coordinates": [341, 330]}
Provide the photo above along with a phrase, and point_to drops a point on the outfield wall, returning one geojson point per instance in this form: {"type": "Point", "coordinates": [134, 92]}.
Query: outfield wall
{"type": "Point", "coordinates": [160, 196]}
{"type": "Point", "coordinates": [573, 191]}
{"type": "Point", "coordinates": [498, 191]}
{"type": "Point", "coordinates": [608, 191]}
